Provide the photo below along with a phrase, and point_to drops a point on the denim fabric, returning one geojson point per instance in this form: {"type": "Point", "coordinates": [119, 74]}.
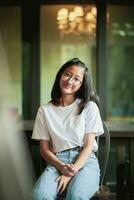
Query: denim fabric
{"type": "Point", "coordinates": [81, 187]}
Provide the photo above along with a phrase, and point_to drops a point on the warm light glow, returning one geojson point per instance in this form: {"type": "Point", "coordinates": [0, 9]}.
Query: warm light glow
{"type": "Point", "coordinates": [77, 21]}
{"type": "Point", "coordinates": [79, 11]}
{"type": "Point", "coordinates": [90, 18]}
{"type": "Point", "coordinates": [80, 20]}
{"type": "Point", "coordinates": [62, 14]}
{"type": "Point", "coordinates": [94, 11]}
{"type": "Point", "coordinates": [72, 16]}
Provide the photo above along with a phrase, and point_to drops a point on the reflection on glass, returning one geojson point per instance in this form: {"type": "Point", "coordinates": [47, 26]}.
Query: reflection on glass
{"type": "Point", "coordinates": [10, 48]}
{"type": "Point", "coordinates": [77, 21]}
{"type": "Point", "coordinates": [121, 64]}
{"type": "Point", "coordinates": [61, 40]}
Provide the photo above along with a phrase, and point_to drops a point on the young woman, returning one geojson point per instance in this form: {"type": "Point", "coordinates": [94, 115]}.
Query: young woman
{"type": "Point", "coordinates": [66, 128]}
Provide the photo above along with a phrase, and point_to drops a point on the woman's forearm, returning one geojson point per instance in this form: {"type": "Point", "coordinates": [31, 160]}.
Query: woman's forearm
{"type": "Point", "coordinates": [86, 151]}
{"type": "Point", "coordinates": [50, 157]}
{"type": "Point", "coordinates": [66, 170]}
{"type": "Point", "coordinates": [82, 158]}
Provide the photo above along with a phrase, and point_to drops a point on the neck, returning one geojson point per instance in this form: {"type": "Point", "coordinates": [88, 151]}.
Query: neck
{"type": "Point", "coordinates": [66, 100]}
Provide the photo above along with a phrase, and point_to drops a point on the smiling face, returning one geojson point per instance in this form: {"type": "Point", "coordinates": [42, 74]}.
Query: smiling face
{"type": "Point", "coordinates": [71, 79]}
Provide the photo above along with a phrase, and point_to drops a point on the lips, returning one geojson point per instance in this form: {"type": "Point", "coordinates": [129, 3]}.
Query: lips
{"type": "Point", "coordinates": [67, 86]}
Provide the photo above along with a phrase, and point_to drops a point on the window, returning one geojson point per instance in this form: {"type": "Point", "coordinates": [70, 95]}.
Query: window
{"type": "Point", "coordinates": [120, 62]}
{"type": "Point", "coordinates": [63, 40]}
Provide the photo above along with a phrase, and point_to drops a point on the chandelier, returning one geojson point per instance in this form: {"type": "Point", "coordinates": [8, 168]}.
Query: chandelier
{"type": "Point", "coordinates": [80, 20]}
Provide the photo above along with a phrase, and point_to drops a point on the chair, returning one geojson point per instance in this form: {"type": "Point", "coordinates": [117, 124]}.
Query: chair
{"type": "Point", "coordinates": [103, 154]}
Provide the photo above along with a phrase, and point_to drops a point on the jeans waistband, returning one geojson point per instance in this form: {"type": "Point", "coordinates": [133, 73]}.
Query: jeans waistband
{"type": "Point", "coordinates": [78, 148]}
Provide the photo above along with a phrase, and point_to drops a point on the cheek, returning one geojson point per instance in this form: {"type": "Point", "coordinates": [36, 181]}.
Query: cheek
{"type": "Point", "coordinates": [75, 89]}
{"type": "Point", "coordinates": [60, 83]}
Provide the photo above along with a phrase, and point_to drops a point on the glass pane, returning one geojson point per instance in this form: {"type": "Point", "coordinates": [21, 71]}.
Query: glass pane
{"type": "Point", "coordinates": [121, 64]}
{"type": "Point", "coordinates": [66, 31]}
{"type": "Point", "coordinates": [10, 61]}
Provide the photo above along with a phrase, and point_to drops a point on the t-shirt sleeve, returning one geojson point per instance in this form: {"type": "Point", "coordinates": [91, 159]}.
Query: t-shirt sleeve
{"type": "Point", "coordinates": [40, 130]}
{"type": "Point", "coordinates": [93, 122]}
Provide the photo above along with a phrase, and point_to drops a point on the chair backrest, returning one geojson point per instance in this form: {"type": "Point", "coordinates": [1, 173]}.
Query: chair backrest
{"type": "Point", "coordinates": [103, 152]}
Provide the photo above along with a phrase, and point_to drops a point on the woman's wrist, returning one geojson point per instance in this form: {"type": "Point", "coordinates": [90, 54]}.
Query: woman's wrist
{"type": "Point", "coordinates": [61, 166]}
{"type": "Point", "coordinates": [68, 170]}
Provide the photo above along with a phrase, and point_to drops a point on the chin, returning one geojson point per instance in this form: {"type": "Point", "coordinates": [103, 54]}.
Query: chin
{"type": "Point", "coordinates": [67, 92]}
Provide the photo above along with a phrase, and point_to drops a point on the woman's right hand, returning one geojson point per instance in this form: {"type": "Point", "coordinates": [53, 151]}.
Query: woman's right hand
{"type": "Point", "coordinates": [68, 170]}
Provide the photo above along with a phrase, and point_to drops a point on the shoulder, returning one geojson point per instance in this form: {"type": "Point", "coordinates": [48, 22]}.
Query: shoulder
{"type": "Point", "coordinates": [91, 105]}
{"type": "Point", "coordinates": [44, 107]}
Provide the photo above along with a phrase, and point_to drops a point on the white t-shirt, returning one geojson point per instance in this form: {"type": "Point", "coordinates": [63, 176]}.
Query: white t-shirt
{"type": "Point", "coordinates": [64, 128]}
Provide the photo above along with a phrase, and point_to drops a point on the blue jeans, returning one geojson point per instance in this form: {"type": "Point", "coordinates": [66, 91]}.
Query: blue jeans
{"type": "Point", "coordinates": [81, 187]}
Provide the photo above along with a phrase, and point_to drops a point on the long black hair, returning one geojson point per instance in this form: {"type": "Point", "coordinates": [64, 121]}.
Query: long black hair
{"type": "Point", "coordinates": [86, 92]}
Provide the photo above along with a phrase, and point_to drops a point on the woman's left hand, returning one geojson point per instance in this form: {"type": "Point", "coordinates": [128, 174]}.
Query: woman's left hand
{"type": "Point", "coordinates": [69, 170]}
{"type": "Point", "coordinates": [63, 182]}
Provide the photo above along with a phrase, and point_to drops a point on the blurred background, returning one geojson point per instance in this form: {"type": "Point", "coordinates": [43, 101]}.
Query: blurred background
{"type": "Point", "coordinates": [36, 38]}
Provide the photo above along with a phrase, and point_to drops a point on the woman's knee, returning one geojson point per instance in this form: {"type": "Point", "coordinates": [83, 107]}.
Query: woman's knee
{"type": "Point", "coordinates": [71, 195]}
{"type": "Point", "coordinates": [75, 194]}
{"type": "Point", "coordinates": [43, 196]}
{"type": "Point", "coordinates": [83, 193]}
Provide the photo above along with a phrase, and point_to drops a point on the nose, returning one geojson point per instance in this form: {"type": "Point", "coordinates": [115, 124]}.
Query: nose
{"type": "Point", "coordinates": [70, 80]}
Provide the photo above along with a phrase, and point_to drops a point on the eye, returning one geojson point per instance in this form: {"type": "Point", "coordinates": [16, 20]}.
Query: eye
{"type": "Point", "coordinates": [76, 79]}
{"type": "Point", "coordinates": [67, 74]}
